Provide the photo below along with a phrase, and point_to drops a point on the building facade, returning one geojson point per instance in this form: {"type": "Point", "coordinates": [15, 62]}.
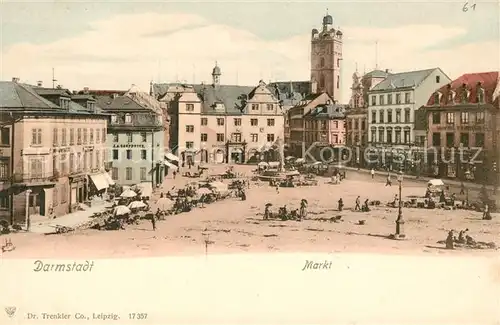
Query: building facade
{"type": "Point", "coordinates": [463, 128]}
{"type": "Point", "coordinates": [135, 139]}
{"type": "Point", "coordinates": [224, 123]}
{"type": "Point", "coordinates": [326, 59]}
{"type": "Point", "coordinates": [52, 149]}
{"type": "Point", "coordinates": [391, 107]}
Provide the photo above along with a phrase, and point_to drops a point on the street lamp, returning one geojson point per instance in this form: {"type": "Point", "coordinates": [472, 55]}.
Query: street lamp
{"type": "Point", "coordinates": [400, 220]}
{"type": "Point", "coordinates": [27, 213]}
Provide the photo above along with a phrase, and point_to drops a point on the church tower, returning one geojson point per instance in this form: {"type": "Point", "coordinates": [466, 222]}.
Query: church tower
{"type": "Point", "coordinates": [216, 73]}
{"type": "Point", "coordinates": [326, 59]}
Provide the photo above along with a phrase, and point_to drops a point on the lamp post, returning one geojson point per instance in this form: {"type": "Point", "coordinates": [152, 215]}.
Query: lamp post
{"type": "Point", "coordinates": [27, 213]}
{"type": "Point", "coordinates": [400, 220]}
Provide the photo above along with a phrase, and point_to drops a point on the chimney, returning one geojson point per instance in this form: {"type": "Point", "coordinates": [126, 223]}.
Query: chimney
{"type": "Point", "coordinates": [115, 95]}
{"type": "Point", "coordinates": [314, 87]}
{"type": "Point", "coordinates": [15, 79]}
{"type": "Point", "coordinates": [86, 90]}
{"type": "Point", "coordinates": [386, 70]}
{"type": "Point", "coordinates": [75, 92]}
{"type": "Point", "coordinates": [39, 83]}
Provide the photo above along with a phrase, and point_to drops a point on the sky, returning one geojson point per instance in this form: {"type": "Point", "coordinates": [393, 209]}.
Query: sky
{"type": "Point", "coordinates": [114, 44]}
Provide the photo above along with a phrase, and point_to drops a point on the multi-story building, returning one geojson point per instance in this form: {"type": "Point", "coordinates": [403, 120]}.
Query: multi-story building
{"type": "Point", "coordinates": [391, 107]}
{"type": "Point", "coordinates": [297, 145]}
{"type": "Point", "coordinates": [463, 122]}
{"type": "Point", "coordinates": [53, 151]}
{"type": "Point", "coordinates": [223, 123]}
{"type": "Point", "coordinates": [135, 139]}
{"type": "Point", "coordinates": [326, 59]}
{"type": "Point", "coordinates": [324, 127]}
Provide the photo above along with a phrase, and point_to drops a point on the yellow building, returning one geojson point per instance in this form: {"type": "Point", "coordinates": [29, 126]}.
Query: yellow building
{"type": "Point", "coordinates": [53, 151]}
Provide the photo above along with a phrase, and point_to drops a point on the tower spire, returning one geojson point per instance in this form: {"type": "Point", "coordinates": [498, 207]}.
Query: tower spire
{"type": "Point", "coordinates": [356, 66]}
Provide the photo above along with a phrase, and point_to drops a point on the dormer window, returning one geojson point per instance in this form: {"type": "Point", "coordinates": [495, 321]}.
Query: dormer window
{"type": "Point", "coordinates": [480, 93]}
{"type": "Point", "coordinates": [465, 95]}
{"type": "Point", "coordinates": [90, 106]}
{"type": "Point", "coordinates": [451, 97]}
{"type": "Point", "coordinates": [437, 98]}
{"type": "Point", "coordinates": [114, 118]}
{"type": "Point", "coordinates": [64, 103]}
{"type": "Point", "coordinates": [128, 118]}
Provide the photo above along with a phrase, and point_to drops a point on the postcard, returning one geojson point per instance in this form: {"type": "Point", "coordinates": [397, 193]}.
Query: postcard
{"type": "Point", "coordinates": [252, 162]}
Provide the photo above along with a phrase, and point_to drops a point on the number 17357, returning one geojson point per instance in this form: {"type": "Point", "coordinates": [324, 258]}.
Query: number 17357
{"type": "Point", "coordinates": [137, 316]}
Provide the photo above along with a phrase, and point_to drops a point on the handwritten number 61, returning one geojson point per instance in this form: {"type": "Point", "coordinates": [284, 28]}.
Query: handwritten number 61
{"type": "Point", "coordinates": [466, 7]}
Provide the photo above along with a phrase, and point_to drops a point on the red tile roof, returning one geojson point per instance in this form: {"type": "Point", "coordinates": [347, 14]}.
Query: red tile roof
{"type": "Point", "coordinates": [488, 80]}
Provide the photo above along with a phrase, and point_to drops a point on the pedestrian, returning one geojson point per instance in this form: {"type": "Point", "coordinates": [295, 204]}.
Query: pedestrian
{"type": "Point", "coordinates": [174, 173]}
{"type": "Point", "coordinates": [388, 181]}
{"type": "Point", "coordinates": [153, 222]}
{"type": "Point", "coordinates": [372, 172]}
{"type": "Point", "coordinates": [462, 188]}
{"type": "Point", "coordinates": [357, 207]}
{"type": "Point", "coordinates": [341, 204]}
{"type": "Point", "coordinates": [277, 188]}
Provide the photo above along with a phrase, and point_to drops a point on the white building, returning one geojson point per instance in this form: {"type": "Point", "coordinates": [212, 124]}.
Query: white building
{"type": "Point", "coordinates": [392, 104]}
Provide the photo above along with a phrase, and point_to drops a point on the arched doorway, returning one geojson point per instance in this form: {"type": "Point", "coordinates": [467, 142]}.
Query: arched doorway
{"type": "Point", "coordinates": [237, 155]}
{"type": "Point", "coordinates": [219, 156]}
{"type": "Point", "coordinates": [204, 156]}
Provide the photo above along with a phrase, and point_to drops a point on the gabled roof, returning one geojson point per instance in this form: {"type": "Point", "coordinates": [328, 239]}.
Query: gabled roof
{"type": "Point", "coordinates": [376, 74]}
{"type": "Point", "coordinates": [403, 80]}
{"type": "Point", "coordinates": [22, 97]}
{"type": "Point", "coordinates": [330, 111]}
{"type": "Point", "coordinates": [119, 103]}
{"type": "Point", "coordinates": [52, 91]}
{"type": "Point", "coordinates": [489, 81]}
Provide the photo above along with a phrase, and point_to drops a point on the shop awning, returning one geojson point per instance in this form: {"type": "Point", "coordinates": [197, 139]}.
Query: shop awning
{"type": "Point", "coordinates": [99, 181]}
{"type": "Point", "coordinates": [109, 179]}
{"type": "Point", "coordinates": [170, 165]}
{"type": "Point", "coordinates": [171, 156]}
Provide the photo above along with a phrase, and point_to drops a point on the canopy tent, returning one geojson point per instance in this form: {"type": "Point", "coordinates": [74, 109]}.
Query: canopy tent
{"type": "Point", "coordinates": [128, 193]}
{"type": "Point", "coordinates": [121, 210]}
{"type": "Point", "coordinates": [300, 161]}
{"type": "Point", "coordinates": [164, 203]}
{"type": "Point", "coordinates": [203, 190]}
{"type": "Point", "coordinates": [274, 164]}
{"type": "Point", "coordinates": [436, 182]}
{"type": "Point", "coordinates": [99, 181]}
{"type": "Point", "coordinates": [136, 205]}
{"type": "Point", "coordinates": [145, 189]}
{"type": "Point", "coordinates": [293, 173]}
{"type": "Point", "coordinates": [263, 164]}
{"type": "Point", "coordinates": [171, 156]}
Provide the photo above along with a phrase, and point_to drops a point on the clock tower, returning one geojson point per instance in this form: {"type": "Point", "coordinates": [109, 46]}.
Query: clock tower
{"type": "Point", "coordinates": [326, 58]}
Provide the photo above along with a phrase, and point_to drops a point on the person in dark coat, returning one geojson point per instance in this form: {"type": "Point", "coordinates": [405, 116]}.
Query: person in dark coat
{"type": "Point", "coordinates": [153, 222]}
{"type": "Point", "coordinates": [341, 204]}
{"type": "Point", "coordinates": [357, 207]}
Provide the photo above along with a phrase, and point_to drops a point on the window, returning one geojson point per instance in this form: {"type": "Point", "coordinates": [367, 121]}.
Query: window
{"type": "Point", "coordinates": [398, 135]}
{"type": "Point", "coordinates": [438, 79]}
{"type": "Point", "coordinates": [128, 173]}
{"type": "Point", "coordinates": [254, 122]}
{"type": "Point", "coordinates": [190, 128]}
{"type": "Point", "coordinates": [255, 137]}
{"type": "Point", "coordinates": [270, 122]}
{"type": "Point", "coordinates": [338, 82]}
{"type": "Point", "coordinates": [464, 139]}
{"type": "Point", "coordinates": [85, 162]}
{"type": "Point", "coordinates": [374, 135]}
{"type": "Point", "coordinates": [129, 137]}
{"type": "Point", "coordinates": [374, 117]}
{"type": "Point", "coordinates": [389, 135]}
{"type": "Point", "coordinates": [236, 137]}
{"type": "Point", "coordinates": [450, 118]}
{"type": "Point", "coordinates": [144, 173]}
{"type": "Point", "coordinates": [115, 137]}
{"type": "Point", "coordinates": [71, 137]}
{"type": "Point", "coordinates": [144, 137]}
{"type": "Point", "coordinates": [480, 117]}
{"type": "Point", "coordinates": [189, 144]}
{"type": "Point", "coordinates": [220, 121]}
{"type": "Point", "coordinates": [436, 139]}
{"type": "Point", "coordinates": [220, 137]}
{"type": "Point", "coordinates": [114, 118]}
{"type": "Point", "coordinates": [129, 154]}
{"type": "Point", "coordinates": [237, 121]}
{"type": "Point", "coordinates": [79, 162]}
{"type": "Point", "coordinates": [98, 159]}
{"type": "Point", "coordinates": [114, 173]}
{"type": "Point", "coordinates": [398, 116]}
{"type": "Point", "coordinates": [115, 154]}
{"type": "Point", "coordinates": [407, 116]}
{"type": "Point", "coordinates": [407, 98]}
{"type": "Point", "coordinates": [389, 116]}
{"type": "Point", "coordinates": [270, 137]}
{"type": "Point", "coordinates": [98, 136]}
{"type": "Point", "coordinates": [103, 135]}
{"type": "Point", "coordinates": [85, 136]}
{"type": "Point", "coordinates": [255, 107]}
{"type": "Point", "coordinates": [450, 139]}
{"type": "Point", "coordinates": [335, 138]}
{"type": "Point", "coordinates": [464, 117]}
{"type": "Point", "coordinates": [79, 136]}
{"type": "Point", "coordinates": [144, 154]}
{"type": "Point", "coordinates": [374, 100]}
{"type": "Point", "coordinates": [389, 99]}
{"type": "Point", "coordinates": [381, 116]}
{"type": "Point", "coordinates": [36, 136]}
{"type": "Point", "coordinates": [204, 121]}
{"type": "Point", "coordinates": [71, 162]}
{"type": "Point", "coordinates": [63, 137]}
{"type": "Point", "coordinates": [91, 136]}
{"type": "Point", "coordinates": [436, 117]}
{"type": "Point", "coordinates": [381, 135]}
{"type": "Point", "coordinates": [363, 125]}
{"type": "Point", "coordinates": [407, 136]}
{"type": "Point", "coordinates": [4, 169]}
{"type": "Point", "coordinates": [338, 62]}
{"type": "Point", "coordinates": [91, 160]}
{"type": "Point", "coordinates": [5, 136]}
{"type": "Point", "coordinates": [479, 139]}
{"type": "Point", "coordinates": [356, 124]}
{"type": "Point", "coordinates": [398, 98]}
{"type": "Point", "coordinates": [55, 140]}
{"type": "Point", "coordinates": [381, 99]}
{"type": "Point", "coordinates": [128, 118]}
{"type": "Point", "coordinates": [270, 107]}
{"type": "Point", "coordinates": [189, 107]}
